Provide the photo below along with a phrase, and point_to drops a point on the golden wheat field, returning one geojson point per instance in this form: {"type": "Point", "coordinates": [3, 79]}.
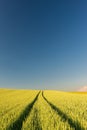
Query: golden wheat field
{"type": "Point", "coordinates": [42, 110]}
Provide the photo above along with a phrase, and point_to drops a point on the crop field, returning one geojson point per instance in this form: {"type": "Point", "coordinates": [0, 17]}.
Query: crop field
{"type": "Point", "coordinates": [42, 110]}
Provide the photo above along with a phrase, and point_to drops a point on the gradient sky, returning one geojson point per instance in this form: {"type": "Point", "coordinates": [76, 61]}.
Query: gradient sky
{"type": "Point", "coordinates": [43, 44]}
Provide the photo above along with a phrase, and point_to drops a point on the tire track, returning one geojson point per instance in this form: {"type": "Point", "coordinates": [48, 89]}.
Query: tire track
{"type": "Point", "coordinates": [17, 125]}
{"type": "Point", "coordinates": [73, 124]}
{"type": "Point", "coordinates": [33, 121]}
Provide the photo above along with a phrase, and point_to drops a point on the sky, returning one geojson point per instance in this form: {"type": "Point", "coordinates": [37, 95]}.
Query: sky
{"type": "Point", "coordinates": [43, 44]}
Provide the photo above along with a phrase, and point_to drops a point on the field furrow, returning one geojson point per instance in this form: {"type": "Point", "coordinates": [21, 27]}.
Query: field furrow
{"type": "Point", "coordinates": [43, 117]}
{"type": "Point", "coordinates": [21, 99]}
{"type": "Point", "coordinates": [17, 125]}
{"type": "Point", "coordinates": [72, 105]}
{"type": "Point", "coordinates": [42, 110]}
{"type": "Point", "coordinates": [72, 123]}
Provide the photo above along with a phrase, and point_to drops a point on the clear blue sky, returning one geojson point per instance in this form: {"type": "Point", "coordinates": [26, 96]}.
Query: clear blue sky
{"type": "Point", "coordinates": [43, 44]}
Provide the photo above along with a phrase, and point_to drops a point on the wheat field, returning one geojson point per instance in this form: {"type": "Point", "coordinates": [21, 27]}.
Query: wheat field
{"type": "Point", "coordinates": [42, 110]}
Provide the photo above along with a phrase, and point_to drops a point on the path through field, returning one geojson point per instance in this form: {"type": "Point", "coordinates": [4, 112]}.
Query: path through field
{"type": "Point", "coordinates": [47, 116]}
{"type": "Point", "coordinates": [37, 113]}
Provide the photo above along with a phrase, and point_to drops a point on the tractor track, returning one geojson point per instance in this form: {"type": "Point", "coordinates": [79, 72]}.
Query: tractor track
{"type": "Point", "coordinates": [73, 124]}
{"type": "Point", "coordinates": [17, 125]}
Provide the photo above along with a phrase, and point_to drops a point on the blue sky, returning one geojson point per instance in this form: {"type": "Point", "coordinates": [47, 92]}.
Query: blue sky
{"type": "Point", "coordinates": [43, 44]}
